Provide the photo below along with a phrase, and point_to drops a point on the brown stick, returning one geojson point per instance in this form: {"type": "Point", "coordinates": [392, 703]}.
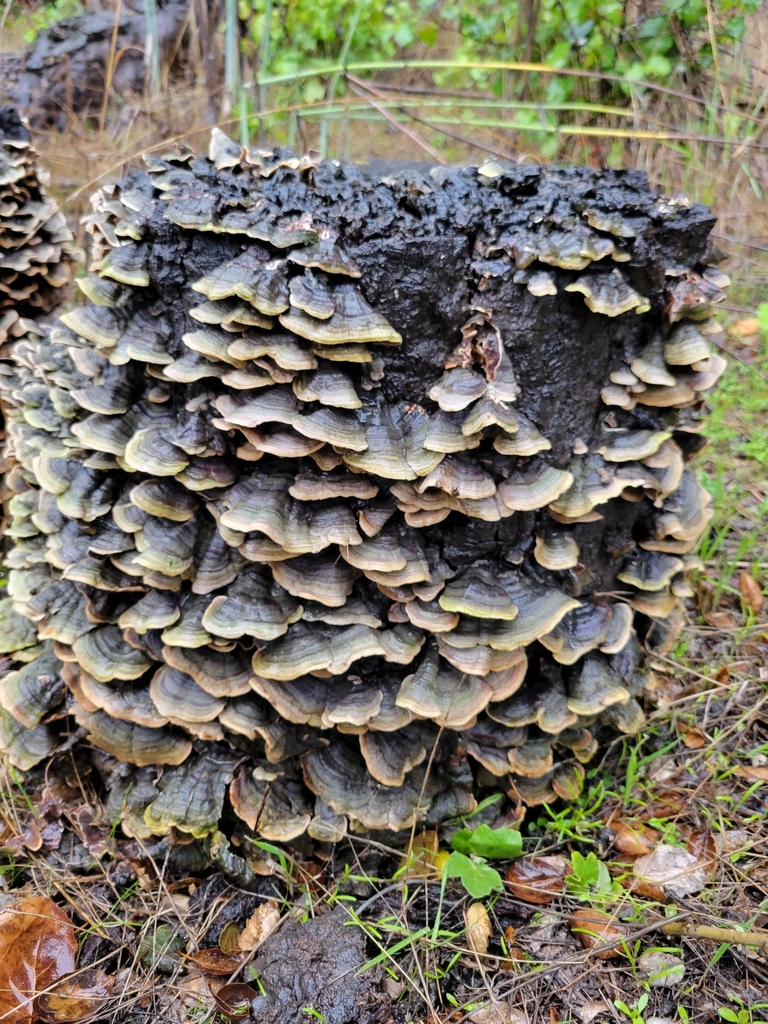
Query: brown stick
{"type": "Point", "coordinates": [110, 68]}
{"type": "Point", "coordinates": [362, 89]}
{"type": "Point", "coordinates": [705, 931]}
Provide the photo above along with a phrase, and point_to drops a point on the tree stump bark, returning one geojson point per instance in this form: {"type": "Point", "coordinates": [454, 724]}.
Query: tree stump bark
{"type": "Point", "coordinates": [65, 70]}
{"type": "Point", "coordinates": [353, 493]}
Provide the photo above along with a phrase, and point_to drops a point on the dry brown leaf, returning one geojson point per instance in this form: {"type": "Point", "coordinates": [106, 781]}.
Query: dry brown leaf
{"type": "Point", "coordinates": [595, 928]}
{"type": "Point", "coordinates": [75, 997]}
{"type": "Point", "coordinates": [694, 738]}
{"type": "Point", "coordinates": [746, 328]}
{"type": "Point", "coordinates": [498, 1013]}
{"type": "Point", "coordinates": [751, 593]}
{"type": "Point", "coordinates": [479, 928]}
{"type": "Point", "coordinates": [422, 857]}
{"type": "Point", "coordinates": [37, 947]}
{"type": "Point", "coordinates": [633, 840]}
{"type": "Point", "coordinates": [262, 922]}
{"type": "Point", "coordinates": [757, 774]}
{"type": "Point", "coordinates": [676, 871]}
{"type": "Point", "coordinates": [589, 1011]}
{"type": "Point", "coordinates": [215, 961]}
{"type": "Point", "coordinates": [537, 879]}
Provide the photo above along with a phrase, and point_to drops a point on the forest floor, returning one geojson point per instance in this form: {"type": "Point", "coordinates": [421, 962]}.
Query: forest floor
{"type": "Point", "coordinates": [643, 900]}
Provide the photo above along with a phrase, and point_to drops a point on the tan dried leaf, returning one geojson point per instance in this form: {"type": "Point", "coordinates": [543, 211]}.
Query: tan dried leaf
{"type": "Point", "coordinates": [589, 1011]}
{"type": "Point", "coordinates": [746, 328]}
{"type": "Point", "coordinates": [262, 922]}
{"type": "Point", "coordinates": [479, 928]}
{"type": "Point", "coordinates": [677, 872]}
{"type": "Point", "coordinates": [752, 774]}
{"type": "Point", "coordinates": [694, 738]}
{"type": "Point", "coordinates": [751, 593]}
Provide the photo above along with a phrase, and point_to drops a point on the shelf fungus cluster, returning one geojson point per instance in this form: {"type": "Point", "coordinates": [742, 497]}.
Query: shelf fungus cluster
{"type": "Point", "coordinates": [36, 249]}
{"type": "Point", "coordinates": [346, 493]}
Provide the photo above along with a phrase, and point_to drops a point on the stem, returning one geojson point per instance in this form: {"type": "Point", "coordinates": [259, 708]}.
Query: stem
{"type": "Point", "coordinates": [264, 64]}
{"type": "Point", "coordinates": [231, 53]}
{"type": "Point", "coordinates": [152, 47]}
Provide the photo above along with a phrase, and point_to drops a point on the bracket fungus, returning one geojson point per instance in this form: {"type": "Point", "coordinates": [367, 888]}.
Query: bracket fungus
{"type": "Point", "coordinates": [321, 513]}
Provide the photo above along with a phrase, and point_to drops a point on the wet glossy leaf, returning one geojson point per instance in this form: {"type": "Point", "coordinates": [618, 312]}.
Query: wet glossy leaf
{"type": "Point", "coordinates": [477, 877]}
{"type": "Point", "coordinates": [215, 961]}
{"type": "Point", "coordinates": [537, 879]}
{"type": "Point", "coordinates": [234, 1000]}
{"type": "Point", "coordinates": [751, 594]}
{"type": "Point", "coordinates": [594, 928]}
{"type": "Point", "coordinates": [502, 843]}
{"type": "Point", "coordinates": [75, 997]}
{"type": "Point", "coordinates": [37, 947]}
{"type": "Point", "coordinates": [633, 840]}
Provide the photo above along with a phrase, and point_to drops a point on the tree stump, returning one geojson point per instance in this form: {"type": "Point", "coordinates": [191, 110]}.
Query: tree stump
{"type": "Point", "coordinates": [354, 493]}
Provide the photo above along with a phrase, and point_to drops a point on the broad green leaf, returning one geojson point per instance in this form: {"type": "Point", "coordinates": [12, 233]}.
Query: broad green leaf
{"type": "Point", "coordinates": [499, 843]}
{"type": "Point", "coordinates": [477, 877]}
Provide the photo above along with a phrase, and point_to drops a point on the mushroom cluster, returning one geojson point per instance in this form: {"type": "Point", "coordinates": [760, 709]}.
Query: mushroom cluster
{"type": "Point", "coordinates": [350, 492]}
{"type": "Point", "coordinates": [36, 250]}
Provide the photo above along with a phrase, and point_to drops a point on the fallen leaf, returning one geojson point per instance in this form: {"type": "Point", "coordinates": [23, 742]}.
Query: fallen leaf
{"type": "Point", "coordinates": [75, 997]}
{"type": "Point", "coordinates": [262, 922]}
{"type": "Point", "coordinates": [194, 992]}
{"type": "Point", "coordinates": [229, 940]}
{"type": "Point", "coordinates": [734, 840]}
{"type": "Point", "coordinates": [215, 961]}
{"type": "Point", "coordinates": [694, 738]}
{"type": "Point", "coordinates": [234, 1000]}
{"type": "Point", "coordinates": [479, 928]}
{"type": "Point", "coordinates": [537, 879]}
{"type": "Point", "coordinates": [498, 1013]}
{"type": "Point", "coordinates": [37, 947]}
{"type": "Point", "coordinates": [676, 871]}
{"type": "Point", "coordinates": [746, 328]}
{"type": "Point", "coordinates": [420, 857]}
{"type": "Point", "coordinates": [703, 846]}
{"type": "Point", "coordinates": [721, 620]}
{"type": "Point", "coordinates": [751, 593]}
{"type": "Point", "coordinates": [589, 1011]}
{"type": "Point", "coordinates": [663, 970]}
{"type": "Point", "coordinates": [594, 928]}
{"type": "Point", "coordinates": [634, 840]}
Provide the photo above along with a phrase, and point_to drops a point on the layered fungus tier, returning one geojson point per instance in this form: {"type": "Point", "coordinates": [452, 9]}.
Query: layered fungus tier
{"type": "Point", "coordinates": [36, 249]}
{"type": "Point", "coordinates": [349, 494]}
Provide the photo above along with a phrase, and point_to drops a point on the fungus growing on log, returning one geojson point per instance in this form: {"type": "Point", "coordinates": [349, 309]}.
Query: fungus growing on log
{"type": "Point", "coordinates": [365, 531]}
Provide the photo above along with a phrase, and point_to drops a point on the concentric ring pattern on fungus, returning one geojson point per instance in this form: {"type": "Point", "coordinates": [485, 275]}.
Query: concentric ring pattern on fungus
{"type": "Point", "coordinates": [348, 493]}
